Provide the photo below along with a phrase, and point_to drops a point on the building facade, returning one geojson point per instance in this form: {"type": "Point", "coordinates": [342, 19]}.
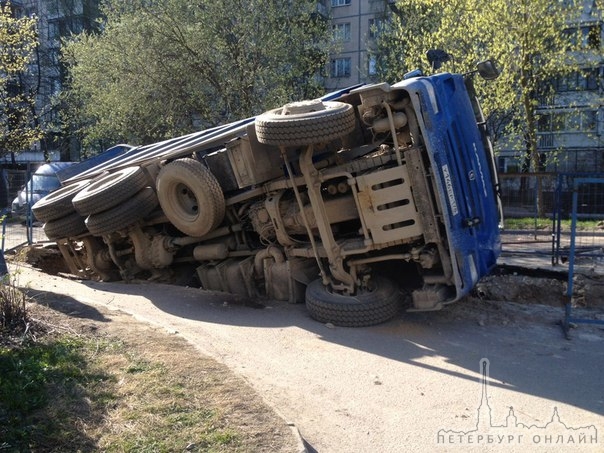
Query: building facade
{"type": "Point", "coordinates": [355, 24]}
{"type": "Point", "coordinates": [57, 19]}
{"type": "Point", "coordinates": [572, 119]}
{"type": "Point", "coordinates": [570, 127]}
{"type": "Point", "coordinates": [571, 122]}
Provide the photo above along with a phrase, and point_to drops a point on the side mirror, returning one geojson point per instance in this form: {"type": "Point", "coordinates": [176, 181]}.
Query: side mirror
{"type": "Point", "coordinates": [436, 58]}
{"type": "Point", "coordinates": [487, 70]}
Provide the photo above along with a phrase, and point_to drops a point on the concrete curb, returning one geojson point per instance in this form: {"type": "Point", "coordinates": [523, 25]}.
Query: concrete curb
{"type": "Point", "coordinates": [301, 446]}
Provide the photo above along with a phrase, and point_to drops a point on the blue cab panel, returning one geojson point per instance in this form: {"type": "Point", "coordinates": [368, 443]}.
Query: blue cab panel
{"type": "Point", "coordinates": [465, 178]}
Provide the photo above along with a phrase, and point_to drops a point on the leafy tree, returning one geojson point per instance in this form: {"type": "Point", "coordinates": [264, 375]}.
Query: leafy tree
{"type": "Point", "coordinates": [161, 69]}
{"type": "Point", "coordinates": [18, 129]}
{"type": "Point", "coordinates": [529, 39]}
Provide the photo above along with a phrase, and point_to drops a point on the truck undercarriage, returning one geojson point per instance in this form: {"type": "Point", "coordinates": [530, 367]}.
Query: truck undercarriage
{"type": "Point", "coordinates": [343, 203]}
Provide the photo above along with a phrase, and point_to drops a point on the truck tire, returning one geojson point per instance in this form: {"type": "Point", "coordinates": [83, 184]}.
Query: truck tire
{"type": "Point", "coordinates": [190, 197]}
{"type": "Point", "coordinates": [58, 204]}
{"type": "Point", "coordinates": [123, 215]}
{"type": "Point", "coordinates": [365, 309]}
{"type": "Point", "coordinates": [305, 123]}
{"type": "Point", "coordinates": [110, 190]}
{"type": "Point", "coordinates": [65, 227]}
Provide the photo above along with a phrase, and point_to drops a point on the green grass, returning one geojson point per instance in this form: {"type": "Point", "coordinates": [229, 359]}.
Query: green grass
{"type": "Point", "coordinates": [82, 394]}
{"type": "Point", "coordinates": [530, 223]}
{"type": "Point", "coordinates": [130, 390]}
{"type": "Point", "coordinates": [39, 385]}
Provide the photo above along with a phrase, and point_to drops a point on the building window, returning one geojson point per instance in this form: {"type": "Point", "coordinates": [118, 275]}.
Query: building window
{"type": "Point", "coordinates": [587, 36]}
{"type": "Point", "coordinates": [53, 30]}
{"type": "Point", "coordinates": [75, 25]}
{"type": "Point", "coordinates": [376, 26]}
{"type": "Point", "coordinates": [589, 120]}
{"type": "Point", "coordinates": [584, 80]}
{"type": "Point", "coordinates": [340, 67]}
{"type": "Point", "coordinates": [574, 121]}
{"type": "Point", "coordinates": [372, 66]}
{"type": "Point", "coordinates": [341, 32]}
{"type": "Point", "coordinates": [591, 37]}
{"type": "Point", "coordinates": [335, 3]}
{"type": "Point", "coordinates": [544, 123]}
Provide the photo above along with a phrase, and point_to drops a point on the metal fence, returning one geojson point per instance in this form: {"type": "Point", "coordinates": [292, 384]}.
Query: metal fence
{"type": "Point", "coordinates": [18, 228]}
{"type": "Point", "coordinates": [578, 216]}
{"type": "Point", "coordinates": [526, 195]}
{"type": "Point", "coordinates": [546, 195]}
{"type": "Point", "coordinates": [538, 211]}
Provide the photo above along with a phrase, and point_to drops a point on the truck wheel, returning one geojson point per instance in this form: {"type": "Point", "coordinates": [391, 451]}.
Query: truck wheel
{"type": "Point", "coordinates": [110, 190]}
{"type": "Point", "coordinates": [123, 215]}
{"type": "Point", "coordinates": [65, 227]}
{"type": "Point", "coordinates": [190, 197]}
{"type": "Point", "coordinates": [365, 309]}
{"type": "Point", "coordinates": [305, 123]}
{"type": "Point", "coordinates": [58, 204]}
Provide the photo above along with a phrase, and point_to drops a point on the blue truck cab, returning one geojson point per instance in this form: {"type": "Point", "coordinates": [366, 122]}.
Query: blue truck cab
{"type": "Point", "coordinates": [465, 179]}
{"type": "Point", "coordinates": [439, 135]}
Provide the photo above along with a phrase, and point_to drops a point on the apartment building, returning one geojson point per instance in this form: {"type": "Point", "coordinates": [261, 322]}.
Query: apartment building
{"type": "Point", "coordinates": [571, 120]}
{"type": "Point", "coordinates": [571, 123]}
{"type": "Point", "coordinates": [355, 24]}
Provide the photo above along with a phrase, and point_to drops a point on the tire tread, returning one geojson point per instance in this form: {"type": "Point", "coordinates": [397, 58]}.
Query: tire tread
{"type": "Point", "coordinates": [363, 310]}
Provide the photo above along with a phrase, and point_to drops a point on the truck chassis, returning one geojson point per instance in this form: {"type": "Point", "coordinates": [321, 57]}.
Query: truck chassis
{"type": "Point", "coordinates": [348, 203]}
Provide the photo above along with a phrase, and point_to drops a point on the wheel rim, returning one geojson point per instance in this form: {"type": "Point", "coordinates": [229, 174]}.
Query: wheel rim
{"type": "Point", "coordinates": [186, 199]}
{"type": "Point", "coordinates": [110, 178]}
{"type": "Point", "coordinates": [190, 197]}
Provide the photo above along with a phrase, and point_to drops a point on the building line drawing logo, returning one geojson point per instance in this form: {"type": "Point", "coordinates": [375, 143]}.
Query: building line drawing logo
{"type": "Point", "coordinates": [512, 431]}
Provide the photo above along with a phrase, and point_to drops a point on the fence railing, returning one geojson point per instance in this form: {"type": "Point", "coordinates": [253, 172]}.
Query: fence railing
{"type": "Point", "coordinates": [538, 210]}
{"type": "Point", "coordinates": [525, 195]}
{"type": "Point", "coordinates": [548, 195]}
{"type": "Point", "coordinates": [20, 230]}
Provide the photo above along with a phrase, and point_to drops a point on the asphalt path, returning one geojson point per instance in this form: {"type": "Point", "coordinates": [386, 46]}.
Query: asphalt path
{"type": "Point", "coordinates": [403, 386]}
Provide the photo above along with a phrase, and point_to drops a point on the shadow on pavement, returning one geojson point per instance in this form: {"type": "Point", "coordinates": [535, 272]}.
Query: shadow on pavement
{"type": "Point", "coordinates": [530, 357]}
{"type": "Point", "coordinates": [65, 304]}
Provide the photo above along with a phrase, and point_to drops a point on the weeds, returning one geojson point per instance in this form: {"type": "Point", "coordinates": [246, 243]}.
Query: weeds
{"type": "Point", "coordinates": [70, 392]}
{"type": "Point", "coordinates": [30, 378]}
{"type": "Point", "coordinates": [13, 314]}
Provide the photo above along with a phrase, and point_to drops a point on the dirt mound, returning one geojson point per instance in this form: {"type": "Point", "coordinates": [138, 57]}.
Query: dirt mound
{"type": "Point", "coordinates": [45, 257]}
{"type": "Point", "coordinates": [588, 290]}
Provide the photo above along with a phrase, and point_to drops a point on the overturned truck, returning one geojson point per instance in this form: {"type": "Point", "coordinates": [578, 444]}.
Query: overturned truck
{"type": "Point", "coordinates": [350, 203]}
